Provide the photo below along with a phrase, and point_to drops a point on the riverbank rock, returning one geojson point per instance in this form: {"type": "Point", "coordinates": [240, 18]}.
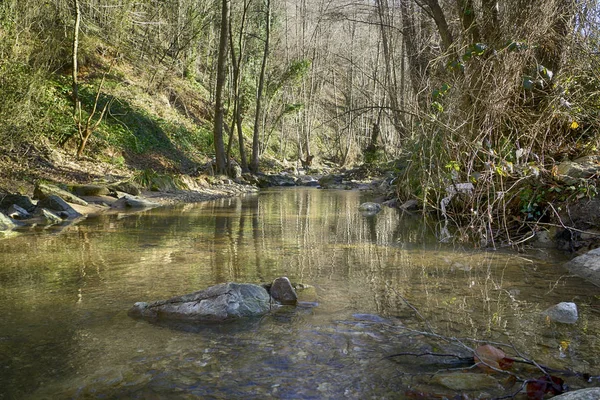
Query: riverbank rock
{"type": "Point", "coordinates": [58, 206]}
{"type": "Point", "coordinates": [89, 190]}
{"type": "Point", "coordinates": [587, 266]}
{"type": "Point", "coordinates": [6, 224]}
{"type": "Point", "coordinates": [17, 199]}
{"type": "Point", "coordinates": [370, 207]}
{"type": "Point", "coordinates": [410, 205]}
{"type": "Point", "coordinates": [283, 292]}
{"type": "Point", "coordinates": [134, 202]}
{"type": "Point", "coordinates": [126, 187]}
{"type": "Point", "coordinates": [42, 191]}
{"type": "Point", "coordinates": [307, 180]}
{"type": "Point", "coordinates": [565, 313]}
{"type": "Point", "coordinates": [570, 172]}
{"type": "Point", "coordinates": [49, 216]}
{"type": "Point", "coordinates": [277, 180]}
{"type": "Point", "coordinates": [333, 182]}
{"type": "Point", "coordinates": [17, 212]}
{"type": "Point", "coordinates": [582, 394]}
{"type": "Point", "coordinates": [219, 303]}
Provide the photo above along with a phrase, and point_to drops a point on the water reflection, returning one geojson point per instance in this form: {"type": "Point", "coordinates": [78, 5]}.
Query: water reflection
{"type": "Point", "coordinates": [64, 296]}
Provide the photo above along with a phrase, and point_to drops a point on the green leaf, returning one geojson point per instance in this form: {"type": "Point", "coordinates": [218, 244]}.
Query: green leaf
{"type": "Point", "coordinates": [479, 48]}
{"type": "Point", "coordinates": [545, 72]}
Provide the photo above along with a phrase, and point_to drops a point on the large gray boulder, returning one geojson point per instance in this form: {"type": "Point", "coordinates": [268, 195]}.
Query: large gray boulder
{"type": "Point", "coordinates": [43, 190]}
{"type": "Point", "coordinates": [223, 302]}
{"type": "Point", "coordinates": [58, 206]}
{"type": "Point", "coordinates": [582, 394]}
{"type": "Point", "coordinates": [587, 266]}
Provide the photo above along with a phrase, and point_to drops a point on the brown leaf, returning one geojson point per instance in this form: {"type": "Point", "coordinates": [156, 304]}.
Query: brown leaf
{"type": "Point", "coordinates": [536, 389]}
{"type": "Point", "coordinates": [488, 357]}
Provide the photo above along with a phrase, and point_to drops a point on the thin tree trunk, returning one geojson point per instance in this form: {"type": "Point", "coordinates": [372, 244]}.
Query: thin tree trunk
{"type": "Point", "coordinates": [259, 93]}
{"type": "Point", "coordinates": [491, 22]}
{"type": "Point", "coordinates": [237, 97]}
{"type": "Point", "coordinates": [220, 85]}
{"type": "Point", "coordinates": [76, 103]}
{"type": "Point", "coordinates": [466, 12]}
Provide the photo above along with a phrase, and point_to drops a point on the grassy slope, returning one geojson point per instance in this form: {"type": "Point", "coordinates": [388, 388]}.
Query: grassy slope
{"type": "Point", "coordinates": [168, 130]}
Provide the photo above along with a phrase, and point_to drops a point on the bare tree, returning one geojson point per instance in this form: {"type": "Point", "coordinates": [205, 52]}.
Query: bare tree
{"type": "Point", "coordinates": [221, 162]}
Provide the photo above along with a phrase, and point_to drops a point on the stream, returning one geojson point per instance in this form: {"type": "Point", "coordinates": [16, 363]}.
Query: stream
{"type": "Point", "coordinates": [65, 292]}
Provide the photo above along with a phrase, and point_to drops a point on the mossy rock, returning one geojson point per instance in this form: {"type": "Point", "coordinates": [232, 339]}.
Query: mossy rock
{"type": "Point", "coordinates": [89, 190]}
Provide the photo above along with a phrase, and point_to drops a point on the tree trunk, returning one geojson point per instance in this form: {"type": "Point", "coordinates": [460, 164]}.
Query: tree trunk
{"type": "Point", "coordinates": [237, 96]}
{"type": "Point", "coordinates": [76, 104]}
{"type": "Point", "coordinates": [220, 85]}
{"type": "Point", "coordinates": [259, 93]}
{"type": "Point", "coordinates": [441, 23]}
{"type": "Point", "coordinates": [490, 21]}
{"type": "Point", "coordinates": [467, 16]}
{"type": "Point", "coordinates": [390, 71]}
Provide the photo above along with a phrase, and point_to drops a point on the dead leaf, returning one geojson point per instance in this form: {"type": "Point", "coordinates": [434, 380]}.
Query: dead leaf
{"type": "Point", "coordinates": [537, 388]}
{"type": "Point", "coordinates": [488, 357]}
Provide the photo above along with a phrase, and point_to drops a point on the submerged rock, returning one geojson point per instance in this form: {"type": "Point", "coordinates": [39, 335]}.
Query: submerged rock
{"type": "Point", "coordinates": [564, 312]}
{"type": "Point", "coordinates": [371, 208]}
{"type": "Point", "coordinates": [582, 394]}
{"type": "Point", "coordinates": [283, 292]}
{"type": "Point", "coordinates": [223, 302]}
{"type": "Point", "coordinates": [587, 266]}
{"type": "Point", "coordinates": [466, 381]}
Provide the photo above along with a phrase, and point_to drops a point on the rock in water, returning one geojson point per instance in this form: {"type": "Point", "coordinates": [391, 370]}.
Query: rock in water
{"type": "Point", "coordinates": [6, 223]}
{"type": "Point", "coordinates": [223, 302]}
{"type": "Point", "coordinates": [370, 207]}
{"type": "Point", "coordinates": [587, 266]}
{"type": "Point", "coordinates": [582, 394]}
{"type": "Point", "coordinates": [283, 291]}
{"type": "Point", "coordinates": [564, 312]}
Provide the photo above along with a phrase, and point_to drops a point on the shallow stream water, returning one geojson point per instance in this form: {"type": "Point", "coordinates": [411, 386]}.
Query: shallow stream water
{"type": "Point", "coordinates": [64, 296]}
